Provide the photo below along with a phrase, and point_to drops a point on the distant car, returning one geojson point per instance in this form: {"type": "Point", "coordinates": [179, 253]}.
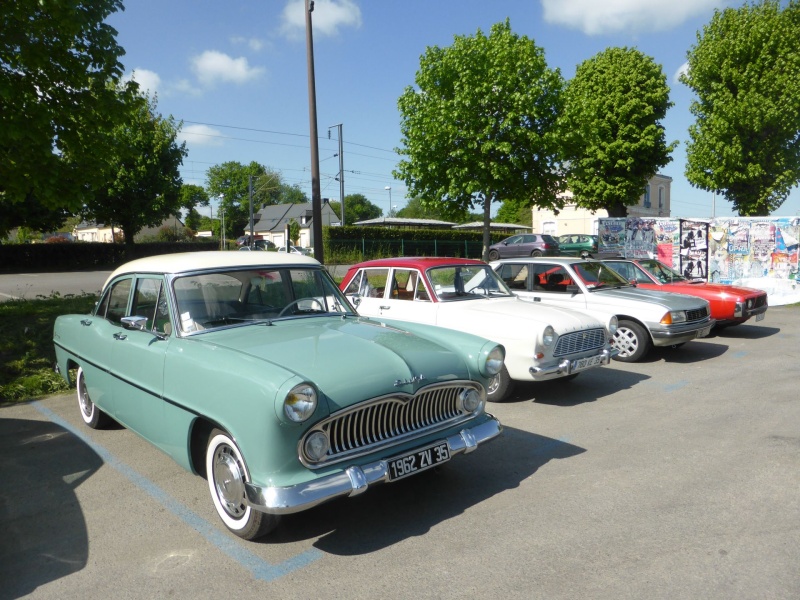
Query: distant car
{"type": "Point", "coordinates": [262, 244]}
{"type": "Point", "coordinates": [575, 243]}
{"type": "Point", "coordinates": [646, 318]}
{"type": "Point", "coordinates": [524, 244]}
{"type": "Point", "coordinates": [730, 304]}
{"type": "Point", "coordinates": [541, 342]}
{"type": "Point", "coordinates": [253, 370]}
{"type": "Point", "coordinates": [295, 250]}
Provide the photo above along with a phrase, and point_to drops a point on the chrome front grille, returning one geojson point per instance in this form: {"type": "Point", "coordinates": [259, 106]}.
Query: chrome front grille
{"type": "Point", "coordinates": [580, 341]}
{"type": "Point", "coordinates": [387, 420]}
{"type": "Point", "coordinates": [697, 315]}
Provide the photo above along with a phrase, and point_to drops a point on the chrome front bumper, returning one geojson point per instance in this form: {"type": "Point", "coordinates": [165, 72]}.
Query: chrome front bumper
{"type": "Point", "coordinates": [354, 480]}
{"type": "Point", "coordinates": [565, 366]}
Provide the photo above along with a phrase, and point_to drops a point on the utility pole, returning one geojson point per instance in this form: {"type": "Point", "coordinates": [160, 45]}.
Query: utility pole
{"type": "Point", "coordinates": [341, 167]}
{"type": "Point", "coordinates": [250, 196]}
{"type": "Point", "coordinates": [316, 200]}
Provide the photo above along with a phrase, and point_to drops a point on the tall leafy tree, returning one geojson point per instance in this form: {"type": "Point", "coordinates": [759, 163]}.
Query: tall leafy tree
{"type": "Point", "coordinates": [143, 187]}
{"type": "Point", "coordinates": [745, 71]}
{"type": "Point", "coordinates": [59, 63]}
{"type": "Point", "coordinates": [514, 212]}
{"type": "Point", "coordinates": [356, 208]}
{"type": "Point", "coordinates": [193, 196]}
{"type": "Point", "coordinates": [480, 126]}
{"type": "Point", "coordinates": [613, 138]}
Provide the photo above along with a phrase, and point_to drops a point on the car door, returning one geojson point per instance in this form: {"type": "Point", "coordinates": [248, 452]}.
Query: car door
{"type": "Point", "coordinates": [553, 284]}
{"type": "Point", "coordinates": [137, 358]}
{"type": "Point", "coordinates": [367, 290]}
{"type": "Point", "coordinates": [408, 298]}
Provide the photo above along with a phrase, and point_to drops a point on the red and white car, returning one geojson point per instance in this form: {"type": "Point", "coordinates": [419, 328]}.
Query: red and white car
{"type": "Point", "coordinates": [541, 342]}
{"type": "Point", "coordinates": [730, 304]}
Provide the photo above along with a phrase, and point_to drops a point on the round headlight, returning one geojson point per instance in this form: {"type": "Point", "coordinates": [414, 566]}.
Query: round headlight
{"type": "Point", "coordinates": [494, 361]}
{"type": "Point", "coordinates": [316, 446]}
{"type": "Point", "coordinates": [613, 324]}
{"type": "Point", "coordinates": [300, 402]}
{"type": "Point", "coordinates": [548, 336]}
{"type": "Point", "coordinates": [471, 399]}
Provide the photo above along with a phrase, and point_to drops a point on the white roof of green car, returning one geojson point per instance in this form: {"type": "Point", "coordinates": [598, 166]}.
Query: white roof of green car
{"type": "Point", "coordinates": [194, 261]}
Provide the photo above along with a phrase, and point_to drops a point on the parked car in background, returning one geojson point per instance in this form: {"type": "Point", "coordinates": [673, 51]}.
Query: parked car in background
{"type": "Point", "coordinates": [541, 342]}
{"type": "Point", "coordinates": [573, 244]}
{"type": "Point", "coordinates": [646, 318]}
{"type": "Point", "coordinates": [253, 370]}
{"type": "Point", "coordinates": [295, 250]}
{"type": "Point", "coordinates": [730, 304]}
{"type": "Point", "coordinates": [524, 244]}
{"type": "Point", "coordinates": [259, 243]}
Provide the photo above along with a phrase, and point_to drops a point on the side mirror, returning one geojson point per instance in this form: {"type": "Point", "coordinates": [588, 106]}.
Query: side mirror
{"type": "Point", "coordinates": [573, 289]}
{"type": "Point", "coordinates": [135, 322]}
{"type": "Point", "coordinates": [356, 300]}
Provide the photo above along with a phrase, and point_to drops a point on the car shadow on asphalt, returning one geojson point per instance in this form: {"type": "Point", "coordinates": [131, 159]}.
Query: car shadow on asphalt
{"type": "Point", "coordinates": [394, 512]}
{"type": "Point", "coordinates": [587, 387]}
{"type": "Point", "coordinates": [44, 535]}
{"type": "Point", "coordinates": [744, 332]}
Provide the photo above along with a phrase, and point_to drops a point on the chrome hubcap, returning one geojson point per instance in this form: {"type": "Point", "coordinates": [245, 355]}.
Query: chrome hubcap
{"type": "Point", "coordinates": [626, 341]}
{"type": "Point", "coordinates": [229, 481]}
{"type": "Point", "coordinates": [85, 401]}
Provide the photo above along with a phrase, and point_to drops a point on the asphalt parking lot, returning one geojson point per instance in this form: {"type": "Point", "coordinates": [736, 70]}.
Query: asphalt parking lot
{"type": "Point", "coordinates": [677, 477]}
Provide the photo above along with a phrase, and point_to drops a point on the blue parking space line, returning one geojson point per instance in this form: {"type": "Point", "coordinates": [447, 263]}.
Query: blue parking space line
{"type": "Point", "coordinates": [260, 568]}
{"type": "Point", "coordinates": [740, 354]}
{"type": "Point", "coordinates": [676, 385]}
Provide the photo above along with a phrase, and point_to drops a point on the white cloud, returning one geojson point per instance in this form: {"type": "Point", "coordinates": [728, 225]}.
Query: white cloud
{"type": "Point", "coordinates": [684, 68]}
{"type": "Point", "coordinates": [212, 67]}
{"type": "Point", "coordinates": [149, 81]}
{"type": "Point", "coordinates": [254, 44]}
{"type": "Point", "coordinates": [328, 18]}
{"type": "Point", "coordinates": [611, 16]}
{"type": "Point", "coordinates": [200, 135]}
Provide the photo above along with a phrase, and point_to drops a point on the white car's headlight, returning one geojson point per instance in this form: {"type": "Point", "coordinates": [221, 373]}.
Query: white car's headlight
{"type": "Point", "coordinates": [300, 403]}
{"type": "Point", "coordinates": [613, 324]}
{"type": "Point", "coordinates": [494, 361]}
{"type": "Point", "coordinates": [548, 336]}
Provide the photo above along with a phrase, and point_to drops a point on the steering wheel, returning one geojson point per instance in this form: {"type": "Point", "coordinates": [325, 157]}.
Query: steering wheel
{"type": "Point", "coordinates": [295, 302]}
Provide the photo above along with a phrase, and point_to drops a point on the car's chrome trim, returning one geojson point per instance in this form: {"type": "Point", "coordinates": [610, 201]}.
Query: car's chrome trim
{"type": "Point", "coordinates": [680, 333]}
{"type": "Point", "coordinates": [565, 366]}
{"type": "Point", "coordinates": [353, 480]}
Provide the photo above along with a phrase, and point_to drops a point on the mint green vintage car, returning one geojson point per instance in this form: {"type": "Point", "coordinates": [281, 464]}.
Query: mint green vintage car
{"type": "Point", "coordinates": [254, 371]}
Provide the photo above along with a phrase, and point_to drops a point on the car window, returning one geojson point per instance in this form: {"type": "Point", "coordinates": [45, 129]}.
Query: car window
{"type": "Point", "coordinates": [149, 301]}
{"type": "Point", "coordinates": [515, 276]}
{"type": "Point", "coordinates": [408, 285]}
{"type": "Point", "coordinates": [211, 300]}
{"type": "Point", "coordinates": [373, 282]}
{"type": "Point", "coordinates": [662, 272]}
{"type": "Point", "coordinates": [114, 304]}
{"type": "Point", "coordinates": [466, 282]}
{"type": "Point", "coordinates": [597, 274]}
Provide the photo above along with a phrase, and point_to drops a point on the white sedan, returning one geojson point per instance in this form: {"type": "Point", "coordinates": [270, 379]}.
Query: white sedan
{"type": "Point", "coordinates": [646, 318]}
{"type": "Point", "coordinates": [541, 342]}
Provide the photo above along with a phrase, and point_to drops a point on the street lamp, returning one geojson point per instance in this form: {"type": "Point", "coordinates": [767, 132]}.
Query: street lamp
{"type": "Point", "coordinates": [388, 187]}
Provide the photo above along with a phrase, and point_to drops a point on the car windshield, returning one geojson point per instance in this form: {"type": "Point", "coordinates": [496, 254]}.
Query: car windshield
{"type": "Point", "coordinates": [242, 296]}
{"type": "Point", "coordinates": [466, 282]}
{"type": "Point", "coordinates": [661, 271]}
{"type": "Point", "coordinates": [596, 275]}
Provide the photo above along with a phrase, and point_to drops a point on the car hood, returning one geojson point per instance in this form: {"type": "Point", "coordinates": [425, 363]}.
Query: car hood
{"type": "Point", "coordinates": [712, 290]}
{"type": "Point", "coordinates": [349, 359]}
{"type": "Point", "coordinates": [501, 315]}
{"type": "Point", "coordinates": [669, 300]}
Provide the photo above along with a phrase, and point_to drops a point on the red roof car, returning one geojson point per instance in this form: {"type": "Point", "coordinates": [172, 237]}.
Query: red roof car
{"type": "Point", "coordinates": [730, 304]}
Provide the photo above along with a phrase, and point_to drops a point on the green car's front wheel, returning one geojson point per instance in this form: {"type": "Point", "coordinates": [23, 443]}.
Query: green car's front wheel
{"type": "Point", "coordinates": [227, 473]}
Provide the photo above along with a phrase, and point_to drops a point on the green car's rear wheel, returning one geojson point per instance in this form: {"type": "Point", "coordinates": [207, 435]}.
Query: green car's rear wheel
{"type": "Point", "coordinates": [92, 416]}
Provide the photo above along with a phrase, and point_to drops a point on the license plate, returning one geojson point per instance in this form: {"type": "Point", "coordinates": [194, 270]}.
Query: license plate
{"type": "Point", "coordinates": [586, 363]}
{"type": "Point", "coordinates": [403, 466]}
{"type": "Point", "coordinates": [704, 332]}
{"type": "Point", "coordinates": [760, 317]}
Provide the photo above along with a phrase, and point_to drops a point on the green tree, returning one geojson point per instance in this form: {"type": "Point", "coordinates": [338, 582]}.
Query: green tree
{"type": "Point", "coordinates": [144, 186]}
{"type": "Point", "coordinates": [518, 213]}
{"type": "Point", "coordinates": [745, 71]}
{"type": "Point", "coordinates": [193, 196]}
{"type": "Point", "coordinates": [59, 63]}
{"type": "Point", "coordinates": [356, 208]}
{"type": "Point", "coordinates": [481, 125]}
{"type": "Point", "coordinates": [294, 231]}
{"type": "Point", "coordinates": [613, 138]}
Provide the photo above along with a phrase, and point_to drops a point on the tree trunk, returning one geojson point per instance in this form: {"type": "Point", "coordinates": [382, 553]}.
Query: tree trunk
{"type": "Point", "coordinates": [617, 210]}
{"type": "Point", "coordinates": [487, 221]}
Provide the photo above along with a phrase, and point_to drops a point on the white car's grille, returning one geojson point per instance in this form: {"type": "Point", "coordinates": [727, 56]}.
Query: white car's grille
{"type": "Point", "coordinates": [580, 341]}
{"type": "Point", "coordinates": [390, 419]}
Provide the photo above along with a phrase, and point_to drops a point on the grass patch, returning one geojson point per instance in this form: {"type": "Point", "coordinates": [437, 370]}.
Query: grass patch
{"type": "Point", "coordinates": [27, 356]}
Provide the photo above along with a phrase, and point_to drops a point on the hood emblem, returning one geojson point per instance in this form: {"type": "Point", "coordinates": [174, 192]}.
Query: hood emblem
{"type": "Point", "coordinates": [414, 379]}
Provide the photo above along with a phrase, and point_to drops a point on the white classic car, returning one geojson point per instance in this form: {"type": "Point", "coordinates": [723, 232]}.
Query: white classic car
{"type": "Point", "coordinates": [541, 342]}
{"type": "Point", "coordinates": [646, 318]}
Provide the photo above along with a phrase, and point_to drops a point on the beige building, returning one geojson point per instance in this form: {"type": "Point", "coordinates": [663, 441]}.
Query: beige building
{"type": "Point", "coordinates": [654, 203]}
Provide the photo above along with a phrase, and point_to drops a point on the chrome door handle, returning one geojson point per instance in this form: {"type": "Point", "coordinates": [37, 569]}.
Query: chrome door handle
{"type": "Point", "coordinates": [120, 336]}
{"type": "Point", "coordinates": [385, 307]}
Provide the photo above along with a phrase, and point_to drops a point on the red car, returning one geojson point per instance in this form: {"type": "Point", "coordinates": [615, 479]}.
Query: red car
{"type": "Point", "coordinates": [730, 304]}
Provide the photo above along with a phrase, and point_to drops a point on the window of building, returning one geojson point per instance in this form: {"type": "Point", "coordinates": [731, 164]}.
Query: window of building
{"type": "Point", "coordinates": [661, 195]}
{"type": "Point", "coordinates": [646, 202]}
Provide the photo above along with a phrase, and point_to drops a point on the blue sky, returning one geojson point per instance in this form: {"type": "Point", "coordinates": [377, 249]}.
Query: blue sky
{"type": "Point", "coordinates": [235, 73]}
